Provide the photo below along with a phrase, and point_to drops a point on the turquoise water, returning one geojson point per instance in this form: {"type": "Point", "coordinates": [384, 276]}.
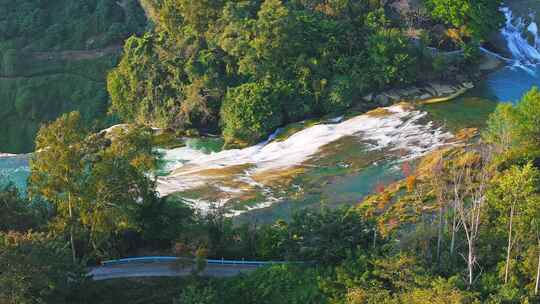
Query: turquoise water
{"type": "Point", "coordinates": [468, 111]}
{"type": "Point", "coordinates": [472, 110]}
{"type": "Point", "coordinates": [347, 174]}
{"type": "Point", "coordinates": [510, 83]}
{"type": "Point", "coordinates": [335, 191]}
{"type": "Point", "coordinates": [14, 170]}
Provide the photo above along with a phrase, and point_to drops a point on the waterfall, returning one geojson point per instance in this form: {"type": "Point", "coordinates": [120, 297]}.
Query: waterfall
{"type": "Point", "coordinates": [228, 177]}
{"type": "Point", "coordinates": [523, 52]}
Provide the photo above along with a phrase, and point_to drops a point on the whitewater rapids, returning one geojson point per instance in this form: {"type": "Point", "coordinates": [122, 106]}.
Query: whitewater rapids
{"type": "Point", "coordinates": [522, 50]}
{"type": "Point", "coordinates": [395, 128]}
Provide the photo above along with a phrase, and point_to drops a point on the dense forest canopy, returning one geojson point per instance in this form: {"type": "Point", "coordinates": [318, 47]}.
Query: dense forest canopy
{"type": "Point", "coordinates": [463, 226]}
{"type": "Point", "coordinates": [250, 66]}
{"type": "Point", "coordinates": [54, 56]}
{"type": "Point", "coordinates": [60, 24]}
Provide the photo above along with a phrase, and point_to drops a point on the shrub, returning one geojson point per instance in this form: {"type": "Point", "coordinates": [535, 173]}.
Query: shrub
{"type": "Point", "coordinates": [250, 112]}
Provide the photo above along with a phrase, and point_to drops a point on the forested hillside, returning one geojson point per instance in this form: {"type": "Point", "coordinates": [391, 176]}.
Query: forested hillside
{"type": "Point", "coordinates": [54, 56]}
{"type": "Point", "coordinates": [459, 225]}
{"type": "Point", "coordinates": [248, 67]}
{"type": "Point", "coordinates": [462, 228]}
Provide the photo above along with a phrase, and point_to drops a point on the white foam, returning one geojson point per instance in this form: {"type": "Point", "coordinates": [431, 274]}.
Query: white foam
{"type": "Point", "coordinates": [399, 130]}
{"type": "Point", "coordinates": [521, 49]}
{"type": "Point", "coordinates": [7, 155]}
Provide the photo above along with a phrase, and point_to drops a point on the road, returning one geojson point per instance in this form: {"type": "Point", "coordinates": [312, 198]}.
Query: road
{"type": "Point", "coordinates": [165, 269]}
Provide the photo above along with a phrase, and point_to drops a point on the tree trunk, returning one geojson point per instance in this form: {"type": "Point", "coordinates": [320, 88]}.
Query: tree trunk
{"type": "Point", "coordinates": [71, 232]}
{"type": "Point", "coordinates": [537, 274]}
{"type": "Point", "coordinates": [470, 264]}
{"type": "Point", "coordinates": [439, 236]}
{"type": "Point", "coordinates": [453, 240]}
{"type": "Point", "coordinates": [509, 246]}
{"type": "Point", "coordinates": [374, 237]}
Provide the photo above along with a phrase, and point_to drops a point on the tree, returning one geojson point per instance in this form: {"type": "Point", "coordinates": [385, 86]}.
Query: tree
{"type": "Point", "coordinates": [250, 112]}
{"type": "Point", "coordinates": [475, 172]}
{"type": "Point", "coordinates": [515, 195]}
{"type": "Point", "coordinates": [441, 291]}
{"type": "Point", "coordinates": [479, 17]}
{"type": "Point", "coordinates": [116, 183]}
{"type": "Point", "coordinates": [96, 183]}
{"type": "Point", "coordinates": [528, 119]}
{"type": "Point", "coordinates": [327, 236]}
{"type": "Point", "coordinates": [219, 61]}
{"type": "Point", "coordinates": [16, 212]}
{"type": "Point", "coordinates": [536, 225]}
{"type": "Point", "coordinates": [390, 60]}
{"type": "Point", "coordinates": [57, 168]}
{"type": "Point", "coordinates": [194, 294]}
{"type": "Point", "coordinates": [516, 129]}
{"type": "Point", "coordinates": [36, 268]}
{"type": "Point", "coordinates": [501, 131]}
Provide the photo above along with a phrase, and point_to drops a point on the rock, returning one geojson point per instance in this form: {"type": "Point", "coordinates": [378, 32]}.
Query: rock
{"type": "Point", "coordinates": [442, 89]}
{"type": "Point", "coordinates": [430, 90]}
{"type": "Point", "coordinates": [461, 78]}
{"type": "Point", "coordinates": [468, 85]}
{"type": "Point", "coordinates": [498, 44]}
{"type": "Point", "coordinates": [368, 97]}
{"type": "Point", "coordinates": [392, 95]}
{"type": "Point", "coordinates": [382, 99]}
{"type": "Point", "coordinates": [413, 91]}
{"type": "Point", "coordinates": [425, 96]}
{"type": "Point", "coordinates": [490, 62]}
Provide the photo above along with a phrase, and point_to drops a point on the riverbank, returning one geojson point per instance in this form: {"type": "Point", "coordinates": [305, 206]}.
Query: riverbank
{"type": "Point", "coordinates": [424, 94]}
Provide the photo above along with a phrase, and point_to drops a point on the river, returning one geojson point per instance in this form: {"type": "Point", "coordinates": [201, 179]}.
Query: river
{"type": "Point", "coordinates": [337, 161]}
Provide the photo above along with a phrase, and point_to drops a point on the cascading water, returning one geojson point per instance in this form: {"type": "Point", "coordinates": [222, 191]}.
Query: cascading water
{"type": "Point", "coordinates": [523, 51]}
{"type": "Point", "coordinates": [254, 178]}
{"type": "Point", "coordinates": [523, 70]}
{"type": "Point", "coordinates": [337, 161]}
{"type": "Point", "coordinates": [14, 170]}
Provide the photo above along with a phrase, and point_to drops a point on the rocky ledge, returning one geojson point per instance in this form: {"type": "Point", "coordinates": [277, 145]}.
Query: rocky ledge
{"type": "Point", "coordinates": [428, 93]}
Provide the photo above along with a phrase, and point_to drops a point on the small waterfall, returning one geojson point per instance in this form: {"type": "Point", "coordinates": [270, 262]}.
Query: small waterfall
{"type": "Point", "coordinates": [522, 50]}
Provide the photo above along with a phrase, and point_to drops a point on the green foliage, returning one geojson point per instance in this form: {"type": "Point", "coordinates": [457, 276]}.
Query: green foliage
{"type": "Point", "coordinates": [275, 284]}
{"type": "Point", "coordinates": [28, 102]}
{"type": "Point", "coordinates": [164, 221]}
{"type": "Point", "coordinates": [389, 58]}
{"type": "Point", "coordinates": [256, 65]}
{"type": "Point", "coordinates": [515, 202]}
{"type": "Point", "coordinates": [250, 111]}
{"type": "Point", "coordinates": [194, 295]}
{"type": "Point", "coordinates": [517, 188]}
{"type": "Point", "coordinates": [64, 24]}
{"type": "Point", "coordinates": [500, 130]}
{"type": "Point", "coordinates": [478, 17]}
{"type": "Point", "coordinates": [36, 269]}
{"type": "Point", "coordinates": [17, 213]}
{"type": "Point", "coordinates": [528, 122]}
{"type": "Point", "coordinates": [94, 183]}
{"type": "Point", "coordinates": [54, 57]}
{"type": "Point", "coordinates": [516, 129]}
{"type": "Point", "coordinates": [327, 236]}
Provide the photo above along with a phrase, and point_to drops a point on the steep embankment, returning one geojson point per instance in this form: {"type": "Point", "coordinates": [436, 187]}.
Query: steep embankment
{"type": "Point", "coordinates": [54, 58]}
